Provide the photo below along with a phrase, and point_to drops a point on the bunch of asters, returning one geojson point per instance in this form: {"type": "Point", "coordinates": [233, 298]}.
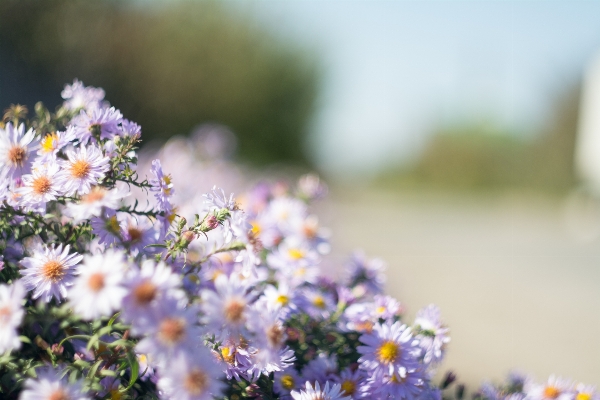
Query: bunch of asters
{"type": "Point", "coordinates": [521, 387]}
{"type": "Point", "coordinates": [120, 281]}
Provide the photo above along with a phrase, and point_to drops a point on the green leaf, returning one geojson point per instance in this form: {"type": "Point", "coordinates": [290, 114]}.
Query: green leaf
{"type": "Point", "coordinates": [135, 369]}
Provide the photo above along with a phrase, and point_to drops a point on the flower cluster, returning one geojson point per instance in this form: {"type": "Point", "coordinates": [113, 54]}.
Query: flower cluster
{"type": "Point", "coordinates": [113, 286]}
{"type": "Point", "coordinates": [521, 387]}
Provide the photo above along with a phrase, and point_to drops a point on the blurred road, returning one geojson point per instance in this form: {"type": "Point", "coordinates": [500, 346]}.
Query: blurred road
{"type": "Point", "coordinates": [517, 290]}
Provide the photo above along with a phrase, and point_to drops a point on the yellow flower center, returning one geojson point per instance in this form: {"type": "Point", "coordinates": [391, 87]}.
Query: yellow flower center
{"type": "Point", "coordinates": [287, 381]}
{"type": "Point", "coordinates": [53, 270]}
{"type": "Point", "coordinates": [112, 225]}
{"type": "Point", "coordinates": [41, 185]}
{"type": "Point", "coordinates": [17, 155]}
{"type": "Point", "coordinates": [388, 352]}
{"type": "Point", "coordinates": [80, 169]}
{"type": "Point", "coordinates": [349, 387]}
{"type": "Point", "coordinates": [283, 299]}
{"type": "Point", "coordinates": [583, 396]}
{"type": "Point", "coordinates": [115, 394]}
{"type": "Point", "coordinates": [167, 180]}
{"type": "Point", "coordinates": [228, 355]}
{"type": "Point", "coordinates": [380, 310]}
{"type": "Point", "coordinates": [256, 229]}
{"type": "Point", "coordinates": [48, 142]}
{"type": "Point", "coordinates": [295, 254]}
{"type": "Point", "coordinates": [196, 382]}
{"type": "Point", "coordinates": [319, 302]}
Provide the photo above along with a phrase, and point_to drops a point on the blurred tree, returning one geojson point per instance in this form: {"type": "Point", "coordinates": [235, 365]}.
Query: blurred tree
{"type": "Point", "coordinates": [167, 66]}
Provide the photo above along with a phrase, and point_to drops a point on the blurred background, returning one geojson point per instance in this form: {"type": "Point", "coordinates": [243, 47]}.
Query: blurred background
{"type": "Point", "coordinates": [447, 132]}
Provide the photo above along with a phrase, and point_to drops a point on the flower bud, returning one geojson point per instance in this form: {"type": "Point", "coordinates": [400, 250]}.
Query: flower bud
{"type": "Point", "coordinates": [187, 237]}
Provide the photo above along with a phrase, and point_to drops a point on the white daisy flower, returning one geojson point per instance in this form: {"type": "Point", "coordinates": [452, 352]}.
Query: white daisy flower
{"type": "Point", "coordinates": [15, 150]}
{"type": "Point", "coordinates": [97, 290]}
{"type": "Point", "coordinates": [49, 272]}
{"type": "Point", "coordinates": [50, 386]}
{"type": "Point", "coordinates": [316, 393]}
{"type": "Point", "coordinates": [53, 142]}
{"type": "Point", "coordinates": [11, 315]}
{"type": "Point", "coordinates": [196, 377]}
{"type": "Point", "coordinates": [40, 186]}
{"type": "Point", "coordinates": [84, 168]}
{"type": "Point", "coordinates": [92, 203]}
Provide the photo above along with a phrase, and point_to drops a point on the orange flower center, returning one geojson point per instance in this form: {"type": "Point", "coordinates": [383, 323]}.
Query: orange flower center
{"type": "Point", "coordinates": [196, 382]}
{"type": "Point", "coordinates": [171, 330]}
{"type": "Point", "coordinates": [58, 395]}
{"type": "Point", "coordinates": [551, 392]}
{"type": "Point", "coordinates": [96, 281]}
{"type": "Point", "coordinates": [41, 185]}
{"type": "Point", "coordinates": [145, 292]}
{"type": "Point", "coordinates": [234, 310]}
{"type": "Point", "coordinates": [17, 155]}
{"type": "Point", "coordinates": [135, 234]}
{"type": "Point", "coordinates": [53, 270]}
{"type": "Point", "coordinates": [80, 169]}
{"type": "Point", "coordinates": [96, 194]}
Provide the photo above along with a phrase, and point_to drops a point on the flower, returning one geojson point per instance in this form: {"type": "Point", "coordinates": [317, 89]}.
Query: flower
{"type": "Point", "coordinates": [316, 393]}
{"type": "Point", "coordinates": [11, 315]}
{"type": "Point", "coordinates": [50, 386]}
{"type": "Point", "coordinates": [389, 349]}
{"type": "Point", "coordinates": [85, 167]}
{"type": "Point", "coordinates": [40, 186]}
{"type": "Point", "coordinates": [217, 199]}
{"type": "Point", "coordinates": [77, 96]}
{"type": "Point", "coordinates": [93, 203]}
{"type": "Point", "coordinates": [52, 143]}
{"type": "Point", "coordinates": [98, 289]}
{"type": "Point", "coordinates": [433, 335]}
{"type": "Point", "coordinates": [97, 123]}
{"type": "Point", "coordinates": [194, 377]}
{"type": "Point", "coordinates": [555, 388]}
{"type": "Point", "coordinates": [49, 272]}
{"type": "Point", "coordinates": [162, 186]}
{"type": "Point", "coordinates": [15, 148]}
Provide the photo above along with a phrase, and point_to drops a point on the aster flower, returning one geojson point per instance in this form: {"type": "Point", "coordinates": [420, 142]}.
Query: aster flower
{"type": "Point", "coordinates": [321, 368]}
{"type": "Point", "coordinates": [286, 381]}
{"type": "Point", "coordinates": [78, 96]}
{"type": "Point", "coordinates": [433, 335]}
{"type": "Point", "coordinates": [107, 227]}
{"type": "Point", "coordinates": [93, 203]}
{"type": "Point", "coordinates": [237, 360]}
{"type": "Point", "coordinates": [317, 304]}
{"type": "Point", "coordinates": [84, 168]}
{"type": "Point", "coordinates": [316, 393]}
{"type": "Point", "coordinates": [172, 333]}
{"type": "Point", "coordinates": [409, 386]}
{"type": "Point", "coordinates": [365, 276]}
{"type": "Point", "coordinates": [98, 289]}
{"type": "Point", "coordinates": [97, 123]}
{"type": "Point", "coordinates": [138, 232]}
{"type": "Point", "coordinates": [52, 143]}
{"type": "Point", "coordinates": [228, 306]}
{"type": "Point", "coordinates": [40, 186]}
{"type": "Point", "coordinates": [130, 128]}
{"type": "Point", "coordinates": [216, 199]}
{"type": "Point", "coordinates": [50, 386]}
{"type": "Point", "coordinates": [586, 392]}
{"type": "Point", "coordinates": [351, 382]}
{"type": "Point", "coordinates": [16, 147]}
{"type": "Point", "coordinates": [11, 315]}
{"type": "Point", "coordinates": [389, 349]}
{"type": "Point", "coordinates": [49, 272]}
{"type": "Point", "coordinates": [147, 286]}
{"type": "Point", "coordinates": [162, 186]}
{"type": "Point", "coordinates": [191, 378]}
{"type": "Point", "coordinates": [554, 388]}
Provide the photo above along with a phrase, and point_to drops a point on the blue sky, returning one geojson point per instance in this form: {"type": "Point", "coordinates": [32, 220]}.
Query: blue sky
{"type": "Point", "coordinates": [395, 70]}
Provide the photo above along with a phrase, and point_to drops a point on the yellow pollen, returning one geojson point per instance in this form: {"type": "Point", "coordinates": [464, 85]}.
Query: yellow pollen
{"type": "Point", "coordinates": [287, 382]}
{"type": "Point", "coordinates": [380, 310]}
{"type": "Point", "coordinates": [583, 396]}
{"type": "Point", "coordinates": [300, 271]}
{"type": "Point", "coordinates": [80, 169]}
{"type": "Point", "coordinates": [551, 392]}
{"type": "Point", "coordinates": [48, 142]}
{"type": "Point", "coordinates": [144, 293]}
{"type": "Point", "coordinates": [234, 310]}
{"type": "Point", "coordinates": [171, 330]}
{"type": "Point", "coordinates": [41, 185]}
{"type": "Point", "coordinates": [115, 394]}
{"type": "Point", "coordinates": [319, 302]}
{"type": "Point", "coordinates": [167, 180]}
{"type": "Point", "coordinates": [96, 194]}
{"type": "Point", "coordinates": [283, 299]}
{"type": "Point", "coordinates": [388, 352]}
{"type": "Point", "coordinates": [349, 387]}
{"type": "Point", "coordinates": [142, 358]}
{"type": "Point", "coordinates": [96, 281]}
{"type": "Point", "coordinates": [295, 254]}
{"type": "Point", "coordinates": [228, 355]}
{"type": "Point", "coordinates": [196, 382]}
{"type": "Point", "coordinates": [53, 270]}
{"type": "Point", "coordinates": [17, 155]}
{"type": "Point", "coordinates": [112, 225]}
{"type": "Point", "coordinates": [256, 229]}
